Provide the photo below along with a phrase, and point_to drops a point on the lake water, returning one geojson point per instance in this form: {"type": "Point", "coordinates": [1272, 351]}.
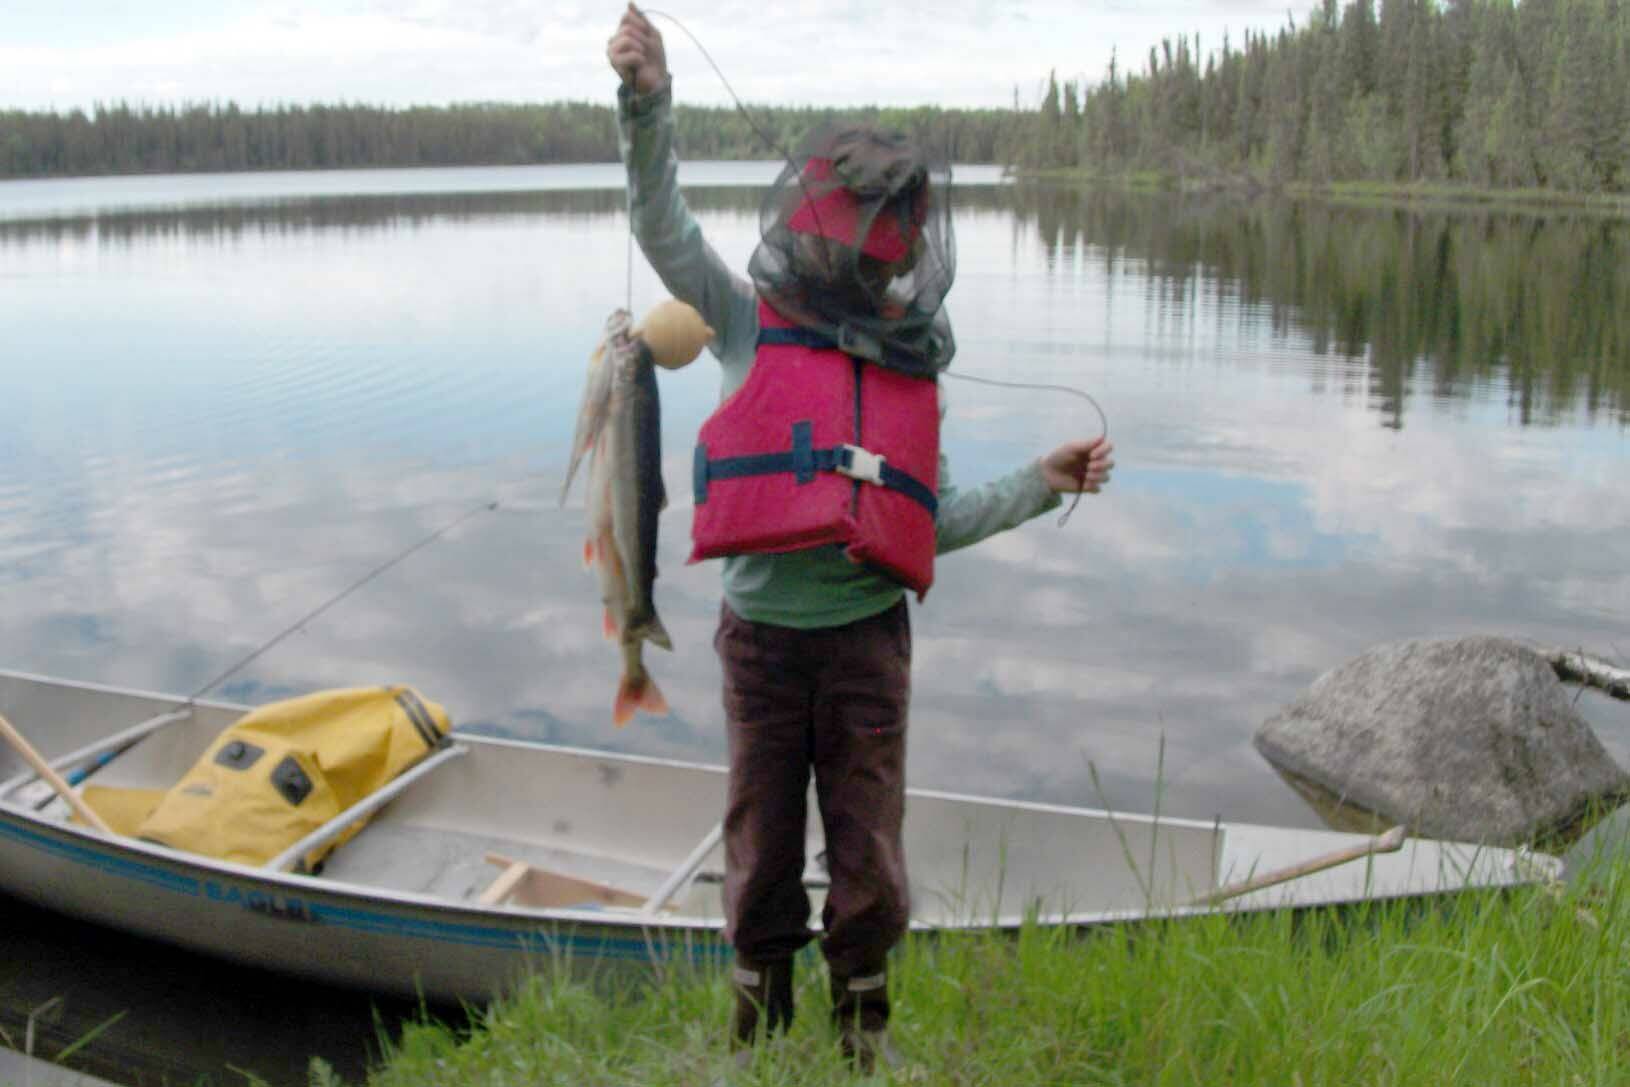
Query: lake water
{"type": "Point", "coordinates": [227, 399]}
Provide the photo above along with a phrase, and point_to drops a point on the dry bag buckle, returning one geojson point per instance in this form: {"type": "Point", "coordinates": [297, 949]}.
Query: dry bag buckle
{"type": "Point", "coordinates": [861, 464]}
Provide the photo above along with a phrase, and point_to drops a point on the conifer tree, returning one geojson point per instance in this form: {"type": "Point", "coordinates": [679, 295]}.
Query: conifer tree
{"type": "Point", "coordinates": [1359, 43]}
{"type": "Point", "coordinates": [1423, 113]}
{"type": "Point", "coordinates": [1284, 103]}
{"type": "Point", "coordinates": [1069, 138]}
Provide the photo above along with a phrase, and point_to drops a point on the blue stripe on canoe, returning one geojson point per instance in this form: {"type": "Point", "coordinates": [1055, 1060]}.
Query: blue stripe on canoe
{"type": "Point", "coordinates": [103, 861]}
{"type": "Point", "coordinates": [539, 941]}
{"type": "Point", "coordinates": [361, 920]}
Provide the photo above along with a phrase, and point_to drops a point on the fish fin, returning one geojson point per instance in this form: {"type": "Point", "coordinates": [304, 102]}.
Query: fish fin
{"type": "Point", "coordinates": [588, 553]}
{"type": "Point", "coordinates": [608, 627]}
{"type": "Point", "coordinates": [643, 697]}
{"type": "Point", "coordinates": [578, 452]}
{"type": "Point", "coordinates": [652, 700]}
{"type": "Point", "coordinates": [571, 473]}
{"type": "Point", "coordinates": [657, 634]}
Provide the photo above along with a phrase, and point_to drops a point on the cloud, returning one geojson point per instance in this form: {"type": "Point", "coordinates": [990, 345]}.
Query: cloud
{"type": "Point", "coordinates": [969, 53]}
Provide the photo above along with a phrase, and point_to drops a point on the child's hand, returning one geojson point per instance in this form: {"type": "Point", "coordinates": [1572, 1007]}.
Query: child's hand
{"type": "Point", "coordinates": [636, 52]}
{"type": "Point", "coordinates": [1079, 466]}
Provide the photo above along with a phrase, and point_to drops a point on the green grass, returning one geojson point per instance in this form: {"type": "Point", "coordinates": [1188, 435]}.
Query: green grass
{"type": "Point", "coordinates": [1527, 986]}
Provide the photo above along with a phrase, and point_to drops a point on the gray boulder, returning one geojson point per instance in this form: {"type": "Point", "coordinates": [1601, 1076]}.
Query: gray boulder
{"type": "Point", "coordinates": [1473, 739]}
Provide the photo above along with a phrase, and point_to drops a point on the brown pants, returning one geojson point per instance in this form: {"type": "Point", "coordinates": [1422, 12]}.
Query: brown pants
{"type": "Point", "coordinates": [833, 701]}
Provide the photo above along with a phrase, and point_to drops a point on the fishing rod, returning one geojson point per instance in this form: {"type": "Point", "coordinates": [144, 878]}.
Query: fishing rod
{"type": "Point", "coordinates": [79, 775]}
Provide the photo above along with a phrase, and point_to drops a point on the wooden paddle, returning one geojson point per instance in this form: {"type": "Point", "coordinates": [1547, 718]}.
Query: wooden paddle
{"type": "Point", "coordinates": [43, 768]}
{"type": "Point", "coordinates": [1390, 842]}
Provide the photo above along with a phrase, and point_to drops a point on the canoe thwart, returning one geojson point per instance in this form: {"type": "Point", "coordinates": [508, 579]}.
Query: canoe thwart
{"type": "Point", "coordinates": [294, 854]}
{"type": "Point", "coordinates": [660, 899]}
{"type": "Point", "coordinates": [523, 884]}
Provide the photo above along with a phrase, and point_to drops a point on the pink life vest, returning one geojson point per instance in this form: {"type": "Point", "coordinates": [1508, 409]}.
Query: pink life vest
{"type": "Point", "coordinates": [819, 447]}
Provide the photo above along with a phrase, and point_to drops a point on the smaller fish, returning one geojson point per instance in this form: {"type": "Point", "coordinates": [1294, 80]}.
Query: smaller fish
{"type": "Point", "coordinates": [619, 427]}
{"type": "Point", "coordinates": [591, 414]}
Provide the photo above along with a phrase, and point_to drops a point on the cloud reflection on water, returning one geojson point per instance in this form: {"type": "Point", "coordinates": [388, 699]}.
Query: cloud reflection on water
{"type": "Point", "coordinates": [325, 397]}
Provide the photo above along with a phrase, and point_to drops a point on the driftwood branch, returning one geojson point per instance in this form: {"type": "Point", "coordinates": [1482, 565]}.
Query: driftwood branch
{"type": "Point", "coordinates": [1592, 672]}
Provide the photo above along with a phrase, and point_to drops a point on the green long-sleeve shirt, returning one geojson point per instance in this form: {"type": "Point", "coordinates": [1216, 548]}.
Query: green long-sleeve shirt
{"type": "Point", "coordinates": [818, 587]}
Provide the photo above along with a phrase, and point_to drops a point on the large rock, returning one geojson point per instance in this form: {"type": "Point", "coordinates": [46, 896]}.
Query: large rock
{"type": "Point", "coordinates": [1473, 739]}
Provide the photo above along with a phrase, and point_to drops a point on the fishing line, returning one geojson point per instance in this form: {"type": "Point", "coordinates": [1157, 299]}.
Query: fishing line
{"type": "Point", "coordinates": [1103, 419]}
{"type": "Point", "coordinates": [770, 142]}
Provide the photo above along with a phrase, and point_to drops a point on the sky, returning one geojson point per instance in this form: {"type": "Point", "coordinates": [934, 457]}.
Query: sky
{"type": "Point", "coordinates": [66, 54]}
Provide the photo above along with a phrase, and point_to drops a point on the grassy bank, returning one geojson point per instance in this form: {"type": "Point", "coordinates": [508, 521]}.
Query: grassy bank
{"type": "Point", "coordinates": [1350, 192]}
{"type": "Point", "coordinates": [1529, 986]}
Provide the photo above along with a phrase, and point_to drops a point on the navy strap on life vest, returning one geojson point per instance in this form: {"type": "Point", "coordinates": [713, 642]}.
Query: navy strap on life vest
{"type": "Point", "coordinates": [850, 341]}
{"type": "Point", "coordinates": [803, 460]}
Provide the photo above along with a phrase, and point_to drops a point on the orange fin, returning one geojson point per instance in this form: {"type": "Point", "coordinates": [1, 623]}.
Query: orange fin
{"type": "Point", "coordinates": [588, 552]}
{"type": "Point", "coordinates": [646, 698]}
{"type": "Point", "coordinates": [608, 627]}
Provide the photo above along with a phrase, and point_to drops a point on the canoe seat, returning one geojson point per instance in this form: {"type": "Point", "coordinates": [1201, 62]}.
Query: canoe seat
{"type": "Point", "coordinates": [523, 884]}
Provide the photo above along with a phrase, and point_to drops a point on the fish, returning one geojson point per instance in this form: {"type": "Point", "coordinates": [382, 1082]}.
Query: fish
{"type": "Point", "coordinates": [619, 430]}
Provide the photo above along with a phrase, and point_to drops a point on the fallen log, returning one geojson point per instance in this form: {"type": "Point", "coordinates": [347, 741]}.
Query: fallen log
{"type": "Point", "coordinates": [1575, 667]}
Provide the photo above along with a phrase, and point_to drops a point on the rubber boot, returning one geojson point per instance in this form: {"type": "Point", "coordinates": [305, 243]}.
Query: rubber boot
{"type": "Point", "coordinates": [763, 1001]}
{"type": "Point", "coordinates": [860, 1009]}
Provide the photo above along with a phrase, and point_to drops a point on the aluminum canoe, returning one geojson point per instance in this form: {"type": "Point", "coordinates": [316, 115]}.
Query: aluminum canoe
{"type": "Point", "coordinates": [504, 856]}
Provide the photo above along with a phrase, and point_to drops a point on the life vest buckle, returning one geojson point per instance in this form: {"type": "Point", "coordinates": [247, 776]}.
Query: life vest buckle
{"type": "Point", "coordinates": [861, 464]}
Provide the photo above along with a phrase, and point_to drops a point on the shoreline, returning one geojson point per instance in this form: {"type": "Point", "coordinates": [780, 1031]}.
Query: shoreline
{"type": "Point", "coordinates": [1355, 193]}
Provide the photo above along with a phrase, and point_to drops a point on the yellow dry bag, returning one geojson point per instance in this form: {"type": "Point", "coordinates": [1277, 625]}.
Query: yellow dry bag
{"type": "Point", "coordinates": [286, 768]}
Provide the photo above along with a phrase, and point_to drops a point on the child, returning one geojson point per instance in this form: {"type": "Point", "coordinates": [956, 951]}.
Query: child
{"type": "Point", "coordinates": [843, 307]}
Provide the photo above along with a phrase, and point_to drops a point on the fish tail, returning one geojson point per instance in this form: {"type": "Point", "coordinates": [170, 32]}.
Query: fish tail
{"type": "Point", "coordinates": [640, 694]}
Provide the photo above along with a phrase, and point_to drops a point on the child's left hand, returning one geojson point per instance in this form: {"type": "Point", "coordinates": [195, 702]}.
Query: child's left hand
{"type": "Point", "coordinates": [1079, 466]}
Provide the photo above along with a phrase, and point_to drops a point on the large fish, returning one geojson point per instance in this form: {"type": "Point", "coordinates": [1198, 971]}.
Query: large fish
{"type": "Point", "coordinates": [619, 427]}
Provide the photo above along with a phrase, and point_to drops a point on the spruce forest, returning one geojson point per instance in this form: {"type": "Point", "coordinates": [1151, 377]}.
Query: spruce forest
{"type": "Point", "coordinates": [1487, 93]}
{"type": "Point", "coordinates": [209, 137]}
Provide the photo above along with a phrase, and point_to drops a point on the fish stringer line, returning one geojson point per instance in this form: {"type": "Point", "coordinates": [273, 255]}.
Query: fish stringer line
{"type": "Point", "coordinates": [1103, 420]}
